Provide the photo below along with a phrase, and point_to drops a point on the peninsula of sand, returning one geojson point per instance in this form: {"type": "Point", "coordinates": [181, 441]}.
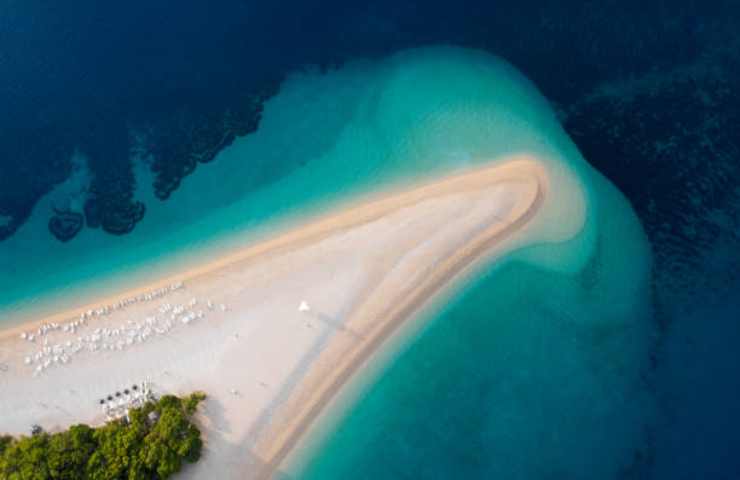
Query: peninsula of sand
{"type": "Point", "coordinates": [273, 331]}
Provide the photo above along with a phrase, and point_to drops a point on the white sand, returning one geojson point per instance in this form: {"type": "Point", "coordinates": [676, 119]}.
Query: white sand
{"type": "Point", "coordinates": [267, 368]}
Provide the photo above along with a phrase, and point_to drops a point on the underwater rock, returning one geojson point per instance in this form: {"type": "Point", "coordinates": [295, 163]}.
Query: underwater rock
{"type": "Point", "coordinates": [110, 203]}
{"type": "Point", "coordinates": [39, 159]}
{"type": "Point", "coordinates": [123, 218]}
{"type": "Point", "coordinates": [65, 225]}
{"type": "Point", "coordinates": [179, 143]}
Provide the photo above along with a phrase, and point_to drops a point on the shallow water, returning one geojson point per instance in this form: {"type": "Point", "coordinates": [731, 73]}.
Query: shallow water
{"type": "Point", "coordinates": [501, 384]}
{"type": "Point", "coordinates": [526, 373]}
{"type": "Point", "coordinates": [535, 370]}
{"type": "Point", "coordinates": [513, 375]}
{"type": "Point", "coordinates": [299, 162]}
{"type": "Point", "coordinates": [323, 139]}
{"type": "Point", "coordinates": [648, 90]}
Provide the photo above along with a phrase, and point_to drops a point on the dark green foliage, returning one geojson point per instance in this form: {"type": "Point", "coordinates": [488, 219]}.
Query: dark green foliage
{"type": "Point", "coordinates": [146, 448]}
{"type": "Point", "coordinates": [5, 441]}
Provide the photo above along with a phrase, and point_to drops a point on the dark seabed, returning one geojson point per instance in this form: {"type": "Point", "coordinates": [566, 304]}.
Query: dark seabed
{"type": "Point", "coordinates": [648, 90]}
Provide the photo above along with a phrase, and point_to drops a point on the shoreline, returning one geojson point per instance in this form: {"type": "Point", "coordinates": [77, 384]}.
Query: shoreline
{"type": "Point", "coordinates": [242, 253]}
{"type": "Point", "coordinates": [337, 344]}
{"type": "Point", "coordinates": [458, 265]}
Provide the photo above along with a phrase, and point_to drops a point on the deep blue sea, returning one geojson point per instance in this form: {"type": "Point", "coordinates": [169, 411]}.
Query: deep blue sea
{"type": "Point", "coordinates": [132, 134]}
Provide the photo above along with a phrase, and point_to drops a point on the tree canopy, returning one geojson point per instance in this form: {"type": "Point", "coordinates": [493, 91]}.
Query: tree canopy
{"type": "Point", "coordinates": [147, 447]}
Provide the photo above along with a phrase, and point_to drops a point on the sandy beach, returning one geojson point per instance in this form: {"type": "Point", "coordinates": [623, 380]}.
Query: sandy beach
{"type": "Point", "coordinates": [233, 328]}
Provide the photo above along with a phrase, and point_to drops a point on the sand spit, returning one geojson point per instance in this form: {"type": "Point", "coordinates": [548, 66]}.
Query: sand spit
{"type": "Point", "coordinates": [233, 327]}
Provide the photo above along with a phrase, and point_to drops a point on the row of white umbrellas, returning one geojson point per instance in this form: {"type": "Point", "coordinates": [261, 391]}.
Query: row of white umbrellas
{"type": "Point", "coordinates": [72, 326]}
{"type": "Point", "coordinates": [120, 337]}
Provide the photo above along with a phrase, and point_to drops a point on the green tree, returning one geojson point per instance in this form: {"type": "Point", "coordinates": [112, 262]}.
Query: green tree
{"type": "Point", "coordinates": [5, 441]}
{"type": "Point", "coordinates": [68, 452]}
{"type": "Point", "coordinates": [25, 459]}
{"type": "Point", "coordinates": [153, 445]}
{"type": "Point", "coordinates": [191, 403]}
{"type": "Point", "coordinates": [173, 438]}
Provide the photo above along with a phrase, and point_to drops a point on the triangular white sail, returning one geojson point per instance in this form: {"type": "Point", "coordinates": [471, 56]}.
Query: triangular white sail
{"type": "Point", "coordinates": [303, 307]}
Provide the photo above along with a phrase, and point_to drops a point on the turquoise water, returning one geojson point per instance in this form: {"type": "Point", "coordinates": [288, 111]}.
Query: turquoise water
{"type": "Point", "coordinates": [536, 368]}
{"type": "Point", "coordinates": [533, 370]}
{"type": "Point", "coordinates": [525, 374]}
{"type": "Point", "coordinates": [323, 138]}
